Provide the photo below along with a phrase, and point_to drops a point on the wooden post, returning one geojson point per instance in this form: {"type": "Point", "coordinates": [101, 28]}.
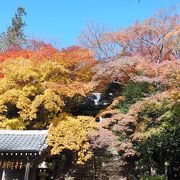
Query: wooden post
{"type": "Point", "coordinates": [33, 173]}
{"type": "Point", "coordinates": [1, 171]}
{"type": "Point", "coordinates": [26, 175]}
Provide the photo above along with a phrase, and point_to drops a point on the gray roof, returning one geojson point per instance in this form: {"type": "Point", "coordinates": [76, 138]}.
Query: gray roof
{"type": "Point", "coordinates": [25, 140]}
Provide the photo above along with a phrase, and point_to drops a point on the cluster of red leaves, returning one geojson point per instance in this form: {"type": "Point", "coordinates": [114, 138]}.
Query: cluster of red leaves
{"type": "Point", "coordinates": [154, 39]}
{"type": "Point", "coordinates": [103, 138]}
{"type": "Point", "coordinates": [137, 69]}
{"type": "Point", "coordinates": [76, 59]}
{"type": "Point", "coordinates": [167, 73]}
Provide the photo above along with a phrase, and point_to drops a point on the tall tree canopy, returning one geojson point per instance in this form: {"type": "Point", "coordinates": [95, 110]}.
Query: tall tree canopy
{"type": "Point", "coordinates": [35, 90]}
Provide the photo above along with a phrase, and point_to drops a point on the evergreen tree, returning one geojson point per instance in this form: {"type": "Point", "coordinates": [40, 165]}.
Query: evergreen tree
{"type": "Point", "coordinates": [14, 37]}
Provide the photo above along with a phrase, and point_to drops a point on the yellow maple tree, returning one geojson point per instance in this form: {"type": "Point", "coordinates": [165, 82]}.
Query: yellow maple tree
{"type": "Point", "coordinates": [71, 133]}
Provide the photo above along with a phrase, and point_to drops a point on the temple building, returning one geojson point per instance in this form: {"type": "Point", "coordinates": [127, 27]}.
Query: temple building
{"type": "Point", "coordinates": [22, 154]}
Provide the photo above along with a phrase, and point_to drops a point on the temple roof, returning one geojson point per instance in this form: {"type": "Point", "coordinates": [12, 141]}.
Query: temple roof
{"type": "Point", "coordinates": [23, 141]}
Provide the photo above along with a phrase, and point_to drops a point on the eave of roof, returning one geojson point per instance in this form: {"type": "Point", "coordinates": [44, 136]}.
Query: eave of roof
{"type": "Point", "coordinates": [23, 141]}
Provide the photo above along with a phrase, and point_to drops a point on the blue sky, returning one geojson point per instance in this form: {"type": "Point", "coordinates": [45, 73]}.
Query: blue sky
{"type": "Point", "coordinates": [63, 20]}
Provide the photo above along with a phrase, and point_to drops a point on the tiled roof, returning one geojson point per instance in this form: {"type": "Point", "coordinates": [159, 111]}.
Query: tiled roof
{"type": "Point", "coordinates": [25, 141]}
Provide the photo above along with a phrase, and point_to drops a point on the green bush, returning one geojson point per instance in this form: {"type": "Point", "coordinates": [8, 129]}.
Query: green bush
{"type": "Point", "coordinates": [134, 92]}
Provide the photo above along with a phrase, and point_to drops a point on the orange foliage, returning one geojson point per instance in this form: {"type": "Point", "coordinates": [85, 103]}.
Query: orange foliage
{"type": "Point", "coordinates": [76, 59]}
{"type": "Point", "coordinates": [44, 52]}
{"type": "Point", "coordinates": [155, 38]}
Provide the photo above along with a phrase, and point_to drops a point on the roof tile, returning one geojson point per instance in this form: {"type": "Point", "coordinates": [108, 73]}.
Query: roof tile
{"type": "Point", "coordinates": [26, 140]}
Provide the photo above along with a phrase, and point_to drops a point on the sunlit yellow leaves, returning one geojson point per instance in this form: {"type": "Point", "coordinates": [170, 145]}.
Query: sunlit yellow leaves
{"type": "Point", "coordinates": [53, 71]}
{"type": "Point", "coordinates": [49, 100]}
{"type": "Point", "coordinates": [76, 88]}
{"type": "Point", "coordinates": [68, 132]}
{"type": "Point", "coordinates": [33, 90]}
{"type": "Point", "coordinates": [16, 124]}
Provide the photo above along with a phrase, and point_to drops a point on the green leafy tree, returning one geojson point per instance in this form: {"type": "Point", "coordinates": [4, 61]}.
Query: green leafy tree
{"type": "Point", "coordinates": [14, 37]}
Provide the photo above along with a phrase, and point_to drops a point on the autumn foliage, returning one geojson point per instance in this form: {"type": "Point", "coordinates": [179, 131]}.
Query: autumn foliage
{"type": "Point", "coordinates": [40, 86]}
{"type": "Point", "coordinates": [144, 118]}
{"type": "Point", "coordinates": [68, 132]}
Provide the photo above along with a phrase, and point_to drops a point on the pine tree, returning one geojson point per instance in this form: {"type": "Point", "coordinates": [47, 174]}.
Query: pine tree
{"type": "Point", "coordinates": [14, 37]}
